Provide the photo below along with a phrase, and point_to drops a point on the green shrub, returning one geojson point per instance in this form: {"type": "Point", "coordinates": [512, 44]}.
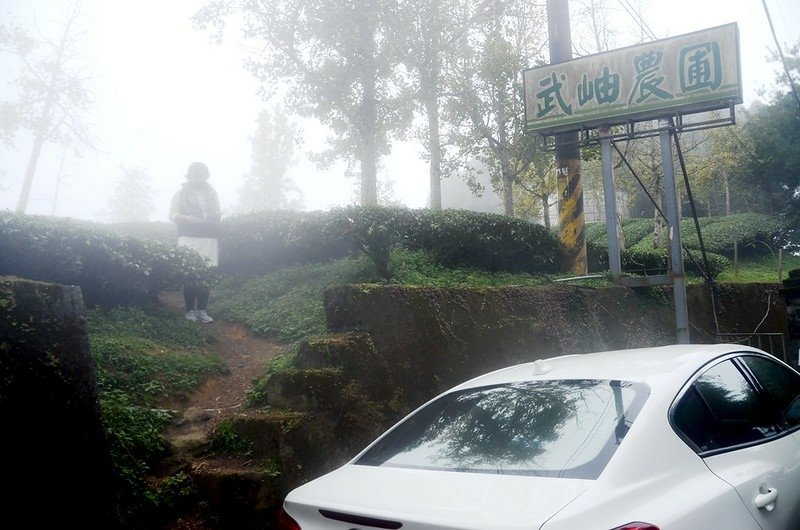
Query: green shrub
{"type": "Point", "coordinates": [227, 440]}
{"type": "Point", "coordinates": [160, 231]}
{"type": "Point", "coordinates": [492, 242]}
{"type": "Point", "coordinates": [264, 241]}
{"type": "Point", "coordinates": [257, 243]}
{"type": "Point", "coordinates": [755, 234]}
{"type": "Point", "coordinates": [111, 269]}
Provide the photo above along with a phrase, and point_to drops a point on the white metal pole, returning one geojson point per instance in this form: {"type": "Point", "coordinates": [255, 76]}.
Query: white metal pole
{"type": "Point", "coordinates": [673, 222]}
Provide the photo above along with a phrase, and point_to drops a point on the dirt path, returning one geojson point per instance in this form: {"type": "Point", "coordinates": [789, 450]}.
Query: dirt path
{"type": "Point", "coordinates": [246, 355]}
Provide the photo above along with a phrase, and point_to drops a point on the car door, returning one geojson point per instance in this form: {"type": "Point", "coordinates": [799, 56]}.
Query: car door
{"type": "Point", "coordinates": [738, 425]}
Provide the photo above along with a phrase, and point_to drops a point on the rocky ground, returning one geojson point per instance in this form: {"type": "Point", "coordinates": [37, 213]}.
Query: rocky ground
{"type": "Point", "coordinates": [218, 398]}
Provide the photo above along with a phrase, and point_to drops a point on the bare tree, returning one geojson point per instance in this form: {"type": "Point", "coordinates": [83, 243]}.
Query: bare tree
{"type": "Point", "coordinates": [53, 97]}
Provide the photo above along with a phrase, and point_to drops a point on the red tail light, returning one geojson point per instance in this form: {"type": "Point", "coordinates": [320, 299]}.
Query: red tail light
{"type": "Point", "coordinates": [636, 526]}
{"type": "Point", "coordinates": [285, 522]}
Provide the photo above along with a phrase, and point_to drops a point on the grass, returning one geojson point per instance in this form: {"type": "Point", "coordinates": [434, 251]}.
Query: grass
{"type": "Point", "coordinates": [144, 358]}
{"type": "Point", "coordinates": [762, 269]}
{"type": "Point", "coordinates": [285, 304]}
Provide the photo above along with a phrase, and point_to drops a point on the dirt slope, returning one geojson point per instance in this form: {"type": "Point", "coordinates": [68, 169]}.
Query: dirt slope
{"type": "Point", "coordinates": [246, 355]}
{"type": "Point", "coordinates": [220, 397]}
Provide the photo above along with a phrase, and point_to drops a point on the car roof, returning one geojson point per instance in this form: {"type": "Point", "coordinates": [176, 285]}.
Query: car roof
{"type": "Point", "coordinates": [653, 366]}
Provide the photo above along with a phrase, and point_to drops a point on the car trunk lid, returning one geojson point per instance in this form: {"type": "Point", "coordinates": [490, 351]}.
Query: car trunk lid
{"type": "Point", "coordinates": [364, 497]}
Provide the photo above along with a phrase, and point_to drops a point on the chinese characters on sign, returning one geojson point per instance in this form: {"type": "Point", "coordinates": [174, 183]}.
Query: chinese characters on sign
{"type": "Point", "coordinates": [690, 73]}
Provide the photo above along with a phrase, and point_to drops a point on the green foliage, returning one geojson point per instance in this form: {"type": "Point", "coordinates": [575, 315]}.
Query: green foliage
{"type": "Point", "coordinates": [761, 269]}
{"type": "Point", "coordinates": [338, 62]}
{"type": "Point", "coordinates": [285, 304]}
{"type": "Point", "coordinates": [134, 434]}
{"type": "Point", "coordinates": [161, 231]}
{"type": "Point", "coordinates": [111, 269]}
{"type": "Point", "coordinates": [256, 243]}
{"type": "Point", "coordinates": [144, 359]}
{"type": "Point", "coordinates": [492, 242]}
{"type": "Point", "coordinates": [411, 267]}
{"type": "Point", "coordinates": [227, 441]}
{"type": "Point", "coordinates": [266, 183]}
{"type": "Point", "coordinates": [132, 200]}
{"type": "Point", "coordinates": [635, 230]}
{"type": "Point", "coordinates": [755, 234]}
{"type": "Point", "coordinates": [280, 363]}
{"type": "Point", "coordinates": [774, 132]}
{"type": "Point", "coordinates": [641, 259]}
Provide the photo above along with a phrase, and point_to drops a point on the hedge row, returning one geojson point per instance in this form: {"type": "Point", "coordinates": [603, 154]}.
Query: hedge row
{"type": "Point", "coordinates": [114, 267]}
{"type": "Point", "coordinates": [111, 269]}
{"type": "Point", "coordinates": [754, 235]}
{"type": "Point", "coordinates": [255, 243]}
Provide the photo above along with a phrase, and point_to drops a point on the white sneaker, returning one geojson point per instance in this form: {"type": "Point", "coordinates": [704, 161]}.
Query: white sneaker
{"type": "Point", "coordinates": [202, 316]}
{"type": "Point", "coordinates": [191, 315]}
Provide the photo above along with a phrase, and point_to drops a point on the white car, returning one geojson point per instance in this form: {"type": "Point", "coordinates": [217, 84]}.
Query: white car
{"type": "Point", "coordinates": [684, 437]}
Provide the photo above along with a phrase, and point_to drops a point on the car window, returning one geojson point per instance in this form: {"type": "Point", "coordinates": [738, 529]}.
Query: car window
{"type": "Point", "coordinates": [563, 428]}
{"type": "Point", "coordinates": [781, 384]}
{"type": "Point", "coordinates": [722, 409]}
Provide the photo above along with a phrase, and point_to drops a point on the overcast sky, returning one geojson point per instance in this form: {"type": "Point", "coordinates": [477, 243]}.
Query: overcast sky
{"type": "Point", "coordinates": [166, 96]}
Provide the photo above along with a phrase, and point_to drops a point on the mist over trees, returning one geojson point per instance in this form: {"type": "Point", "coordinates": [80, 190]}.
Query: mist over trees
{"type": "Point", "coordinates": [446, 73]}
{"type": "Point", "coordinates": [266, 185]}
{"type": "Point", "coordinates": [133, 197]}
{"type": "Point", "coordinates": [339, 65]}
{"type": "Point", "coordinates": [53, 97]}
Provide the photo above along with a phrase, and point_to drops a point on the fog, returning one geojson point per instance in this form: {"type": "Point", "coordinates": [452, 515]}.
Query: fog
{"type": "Point", "coordinates": [165, 96]}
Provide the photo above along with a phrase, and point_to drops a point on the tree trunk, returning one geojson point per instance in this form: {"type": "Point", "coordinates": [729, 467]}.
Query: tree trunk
{"type": "Point", "coordinates": [429, 87]}
{"type": "Point", "coordinates": [368, 128]}
{"type": "Point", "coordinates": [545, 210]}
{"type": "Point", "coordinates": [435, 148]}
{"type": "Point", "coordinates": [43, 121]}
{"type": "Point", "coordinates": [727, 188]}
{"type": "Point", "coordinates": [38, 142]}
{"type": "Point", "coordinates": [508, 190]}
{"type": "Point", "coordinates": [658, 221]}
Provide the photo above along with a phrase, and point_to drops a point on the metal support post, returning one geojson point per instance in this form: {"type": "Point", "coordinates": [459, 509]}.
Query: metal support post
{"type": "Point", "coordinates": [673, 222]}
{"type": "Point", "coordinates": [610, 195]}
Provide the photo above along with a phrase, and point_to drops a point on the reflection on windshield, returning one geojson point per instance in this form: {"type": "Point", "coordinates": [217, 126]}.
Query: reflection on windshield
{"type": "Point", "coordinates": [564, 428]}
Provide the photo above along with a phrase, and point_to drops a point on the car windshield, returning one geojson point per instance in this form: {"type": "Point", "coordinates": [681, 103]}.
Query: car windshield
{"type": "Point", "coordinates": [558, 428]}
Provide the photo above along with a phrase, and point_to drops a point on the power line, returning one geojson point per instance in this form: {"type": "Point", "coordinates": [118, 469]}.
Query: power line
{"type": "Point", "coordinates": [638, 19]}
{"type": "Point", "coordinates": [780, 53]}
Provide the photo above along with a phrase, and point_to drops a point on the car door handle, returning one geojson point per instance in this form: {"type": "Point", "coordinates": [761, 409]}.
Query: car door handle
{"type": "Point", "coordinates": [766, 499]}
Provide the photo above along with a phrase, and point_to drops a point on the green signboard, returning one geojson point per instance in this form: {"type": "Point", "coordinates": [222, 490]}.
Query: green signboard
{"type": "Point", "coordinates": [689, 73]}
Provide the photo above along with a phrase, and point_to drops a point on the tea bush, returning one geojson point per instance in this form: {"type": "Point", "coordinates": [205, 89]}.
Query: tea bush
{"type": "Point", "coordinates": [111, 269]}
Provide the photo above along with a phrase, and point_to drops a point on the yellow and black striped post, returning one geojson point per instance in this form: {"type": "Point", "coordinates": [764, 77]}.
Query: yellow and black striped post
{"type": "Point", "coordinates": [568, 155]}
{"type": "Point", "coordinates": [570, 216]}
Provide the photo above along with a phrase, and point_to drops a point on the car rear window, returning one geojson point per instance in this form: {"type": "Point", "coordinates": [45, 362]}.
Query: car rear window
{"type": "Point", "coordinates": [556, 428]}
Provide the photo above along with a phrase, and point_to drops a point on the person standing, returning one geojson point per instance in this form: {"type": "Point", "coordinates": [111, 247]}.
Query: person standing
{"type": "Point", "coordinates": [196, 213]}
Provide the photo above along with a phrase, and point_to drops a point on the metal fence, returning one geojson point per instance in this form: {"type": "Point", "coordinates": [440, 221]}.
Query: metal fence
{"type": "Point", "coordinates": [773, 343]}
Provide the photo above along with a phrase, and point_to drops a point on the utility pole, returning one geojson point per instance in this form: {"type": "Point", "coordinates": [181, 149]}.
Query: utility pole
{"type": "Point", "coordinates": [568, 155]}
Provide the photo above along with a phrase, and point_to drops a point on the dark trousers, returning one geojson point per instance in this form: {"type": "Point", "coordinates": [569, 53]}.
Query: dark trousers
{"type": "Point", "coordinates": [195, 296]}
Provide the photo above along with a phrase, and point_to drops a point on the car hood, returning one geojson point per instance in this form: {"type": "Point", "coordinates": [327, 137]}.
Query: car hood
{"type": "Point", "coordinates": [425, 499]}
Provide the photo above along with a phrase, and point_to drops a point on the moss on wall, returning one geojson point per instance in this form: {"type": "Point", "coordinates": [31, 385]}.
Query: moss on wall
{"type": "Point", "coordinates": [53, 438]}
